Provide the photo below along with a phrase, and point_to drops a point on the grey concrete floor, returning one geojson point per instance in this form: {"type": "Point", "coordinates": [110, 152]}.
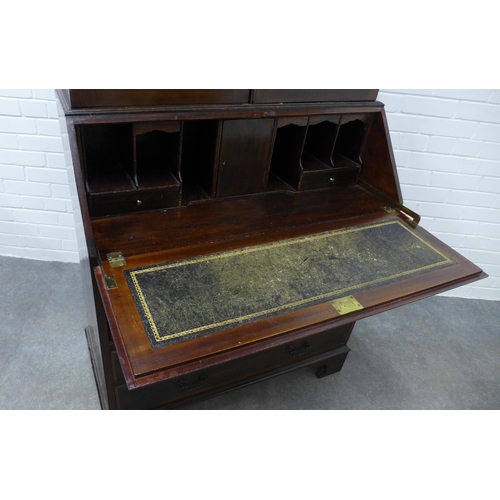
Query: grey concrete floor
{"type": "Point", "coordinates": [439, 353]}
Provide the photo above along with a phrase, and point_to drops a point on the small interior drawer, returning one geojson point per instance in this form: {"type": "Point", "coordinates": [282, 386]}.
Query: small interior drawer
{"type": "Point", "coordinates": [329, 178]}
{"type": "Point", "coordinates": [102, 205]}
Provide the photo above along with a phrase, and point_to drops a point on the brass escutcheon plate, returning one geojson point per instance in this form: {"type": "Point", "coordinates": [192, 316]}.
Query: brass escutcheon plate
{"type": "Point", "coordinates": [346, 305]}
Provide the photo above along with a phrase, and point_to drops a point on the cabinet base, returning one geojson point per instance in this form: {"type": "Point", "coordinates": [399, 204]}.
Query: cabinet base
{"type": "Point", "coordinates": [157, 398]}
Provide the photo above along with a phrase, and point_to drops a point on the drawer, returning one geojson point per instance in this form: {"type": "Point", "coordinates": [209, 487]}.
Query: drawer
{"type": "Point", "coordinates": [134, 201]}
{"type": "Point", "coordinates": [237, 372]}
{"type": "Point", "coordinates": [329, 178]}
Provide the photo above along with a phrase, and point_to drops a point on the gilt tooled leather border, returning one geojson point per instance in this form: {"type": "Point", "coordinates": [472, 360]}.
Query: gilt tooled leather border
{"type": "Point", "coordinates": [158, 339]}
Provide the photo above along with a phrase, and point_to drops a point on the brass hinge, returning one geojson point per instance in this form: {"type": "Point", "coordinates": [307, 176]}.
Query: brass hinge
{"type": "Point", "coordinates": [346, 305]}
{"type": "Point", "coordinates": [110, 282]}
{"type": "Point", "coordinates": [116, 259]}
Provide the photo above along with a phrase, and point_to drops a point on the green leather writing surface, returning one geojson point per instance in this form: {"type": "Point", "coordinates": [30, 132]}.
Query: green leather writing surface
{"type": "Point", "coordinates": [192, 297]}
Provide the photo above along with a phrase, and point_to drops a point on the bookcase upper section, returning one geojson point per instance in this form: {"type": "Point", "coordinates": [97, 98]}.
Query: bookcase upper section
{"type": "Point", "coordinates": [80, 98]}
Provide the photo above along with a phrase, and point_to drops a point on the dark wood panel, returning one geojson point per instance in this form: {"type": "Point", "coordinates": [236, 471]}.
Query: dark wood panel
{"type": "Point", "coordinates": [288, 148]}
{"type": "Point", "coordinates": [321, 137]}
{"type": "Point", "coordinates": [200, 157]}
{"type": "Point", "coordinates": [221, 377]}
{"type": "Point", "coordinates": [378, 163]}
{"type": "Point", "coordinates": [306, 95]}
{"type": "Point", "coordinates": [257, 218]}
{"type": "Point", "coordinates": [116, 367]}
{"type": "Point", "coordinates": [78, 182]}
{"type": "Point", "coordinates": [222, 111]}
{"type": "Point", "coordinates": [108, 159]}
{"type": "Point", "coordinates": [331, 365]}
{"type": "Point", "coordinates": [84, 98]}
{"type": "Point", "coordinates": [244, 157]}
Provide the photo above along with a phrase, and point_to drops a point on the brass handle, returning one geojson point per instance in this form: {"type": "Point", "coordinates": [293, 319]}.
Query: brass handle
{"type": "Point", "coordinates": [192, 385]}
{"type": "Point", "coordinates": [298, 351]}
{"type": "Point", "coordinates": [393, 204]}
{"type": "Point", "coordinates": [410, 213]}
{"type": "Point", "coordinates": [139, 203]}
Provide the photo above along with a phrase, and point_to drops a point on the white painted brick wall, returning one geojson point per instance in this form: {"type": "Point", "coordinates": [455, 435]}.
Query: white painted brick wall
{"type": "Point", "coordinates": [447, 148]}
{"type": "Point", "coordinates": [36, 214]}
{"type": "Point", "coordinates": [446, 144]}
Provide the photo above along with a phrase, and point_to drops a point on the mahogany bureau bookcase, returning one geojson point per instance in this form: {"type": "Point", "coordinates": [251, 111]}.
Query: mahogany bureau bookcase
{"type": "Point", "coordinates": [233, 235]}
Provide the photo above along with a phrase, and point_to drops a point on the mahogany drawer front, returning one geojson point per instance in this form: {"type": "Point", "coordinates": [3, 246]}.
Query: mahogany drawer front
{"type": "Point", "coordinates": [329, 178]}
{"type": "Point", "coordinates": [234, 372]}
{"type": "Point", "coordinates": [134, 201]}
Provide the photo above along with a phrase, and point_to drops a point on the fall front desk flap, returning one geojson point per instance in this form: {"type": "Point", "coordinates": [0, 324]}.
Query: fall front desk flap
{"type": "Point", "coordinates": [157, 312]}
{"type": "Point", "coordinates": [194, 297]}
